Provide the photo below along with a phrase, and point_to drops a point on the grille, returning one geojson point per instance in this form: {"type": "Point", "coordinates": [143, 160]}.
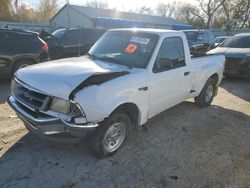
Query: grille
{"type": "Point", "coordinates": [30, 98]}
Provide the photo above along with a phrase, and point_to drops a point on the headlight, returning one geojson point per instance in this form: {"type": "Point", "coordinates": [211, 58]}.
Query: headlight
{"type": "Point", "coordinates": [60, 105]}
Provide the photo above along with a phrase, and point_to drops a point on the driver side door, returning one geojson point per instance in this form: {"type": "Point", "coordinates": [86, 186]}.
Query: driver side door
{"type": "Point", "coordinates": [170, 79]}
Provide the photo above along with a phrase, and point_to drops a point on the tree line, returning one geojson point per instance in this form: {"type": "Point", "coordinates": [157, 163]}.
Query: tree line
{"type": "Point", "coordinates": [205, 14]}
{"type": "Point", "coordinates": [12, 10]}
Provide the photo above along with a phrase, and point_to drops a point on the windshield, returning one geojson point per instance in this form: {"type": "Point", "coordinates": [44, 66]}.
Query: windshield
{"type": "Point", "coordinates": [191, 35]}
{"type": "Point", "coordinates": [59, 33]}
{"type": "Point", "coordinates": [129, 48]}
{"type": "Point", "coordinates": [220, 40]}
{"type": "Point", "coordinates": [237, 42]}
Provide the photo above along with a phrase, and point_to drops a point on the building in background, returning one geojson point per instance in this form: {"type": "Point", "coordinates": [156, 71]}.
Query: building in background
{"type": "Point", "coordinates": [88, 17]}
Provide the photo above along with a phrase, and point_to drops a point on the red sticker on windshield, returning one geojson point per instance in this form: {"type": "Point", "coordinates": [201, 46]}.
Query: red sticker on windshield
{"type": "Point", "coordinates": [131, 48]}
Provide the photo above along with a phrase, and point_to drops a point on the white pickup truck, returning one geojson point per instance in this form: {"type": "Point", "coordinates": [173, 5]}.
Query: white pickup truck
{"type": "Point", "coordinates": [128, 76]}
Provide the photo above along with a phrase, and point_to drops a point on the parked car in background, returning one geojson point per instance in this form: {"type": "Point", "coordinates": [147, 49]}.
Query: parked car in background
{"type": "Point", "coordinates": [20, 48]}
{"type": "Point", "coordinates": [128, 77]}
{"type": "Point", "coordinates": [69, 42]}
{"type": "Point", "coordinates": [237, 52]}
{"type": "Point", "coordinates": [199, 41]}
{"type": "Point", "coordinates": [198, 37]}
{"type": "Point", "coordinates": [219, 40]}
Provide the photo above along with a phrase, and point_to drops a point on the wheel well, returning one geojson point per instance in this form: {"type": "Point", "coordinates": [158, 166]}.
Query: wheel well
{"type": "Point", "coordinates": [215, 77]}
{"type": "Point", "coordinates": [131, 110]}
{"type": "Point", "coordinates": [23, 59]}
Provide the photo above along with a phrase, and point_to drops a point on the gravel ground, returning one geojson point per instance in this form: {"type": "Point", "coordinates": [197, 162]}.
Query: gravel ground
{"type": "Point", "coordinates": [185, 146]}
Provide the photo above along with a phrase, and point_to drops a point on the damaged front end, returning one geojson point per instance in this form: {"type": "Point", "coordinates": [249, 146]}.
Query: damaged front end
{"type": "Point", "coordinates": [97, 79]}
{"type": "Point", "coordinates": [49, 116]}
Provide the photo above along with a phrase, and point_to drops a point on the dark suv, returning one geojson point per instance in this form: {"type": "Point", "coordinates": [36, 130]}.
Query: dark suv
{"type": "Point", "coordinates": [19, 48]}
{"type": "Point", "coordinates": [71, 41]}
{"type": "Point", "coordinates": [199, 37]}
{"type": "Point", "coordinates": [199, 41]}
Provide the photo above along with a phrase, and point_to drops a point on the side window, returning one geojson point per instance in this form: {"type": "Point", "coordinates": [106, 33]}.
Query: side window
{"type": "Point", "coordinates": [87, 36]}
{"type": "Point", "coordinates": [90, 35]}
{"type": "Point", "coordinates": [72, 36]}
{"type": "Point", "coordinates": [171, 55]}
{"type": "Point", "coordinates": [3, 40]}
{"type": "Point", "coordinates": [3, 37]}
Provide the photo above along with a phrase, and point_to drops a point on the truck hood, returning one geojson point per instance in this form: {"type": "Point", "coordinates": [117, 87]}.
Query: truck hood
{"type": "Point", "coordinates": [231, 52]}
{"type": "Point", "coordinates": [59, 78]}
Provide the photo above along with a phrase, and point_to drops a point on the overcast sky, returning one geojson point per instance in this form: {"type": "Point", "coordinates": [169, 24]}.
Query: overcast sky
{"type": "Point", "coordinates": [122, 5]}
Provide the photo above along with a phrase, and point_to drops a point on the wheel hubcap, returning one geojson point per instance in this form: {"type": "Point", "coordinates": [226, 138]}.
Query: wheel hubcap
{"type": "Point", "coordinates": [209, 93]}
{"type": "Point", "coordinates": [114, 137]}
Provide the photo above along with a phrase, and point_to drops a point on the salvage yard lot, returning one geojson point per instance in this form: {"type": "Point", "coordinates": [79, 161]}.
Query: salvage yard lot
{"type": "Point", "coordinates": [185, 146]}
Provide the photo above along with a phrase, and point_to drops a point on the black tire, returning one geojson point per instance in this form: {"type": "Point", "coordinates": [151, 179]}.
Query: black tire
{"type": "Point", "coordinates": [202, 98]}
{"type": "Point", "coordinates": [97, 139]}
{"type": "Point", "coordinates": [55, 53]}
{"type": "Point", "coordinates": [20, 64]}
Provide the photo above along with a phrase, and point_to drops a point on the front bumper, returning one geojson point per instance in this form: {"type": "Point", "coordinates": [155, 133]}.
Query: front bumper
{"type": "Point", "coordinates": [51, 128]}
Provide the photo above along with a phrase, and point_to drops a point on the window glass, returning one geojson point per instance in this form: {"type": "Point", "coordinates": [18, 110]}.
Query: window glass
{"type": "Point", "coordinates": [3, 36]}
{"type": "Point", "coordinates": [130, 48]}
{"type": "Point", "coordinates": [59, 33]}
{"type": "Point", "coordinates": [3, 41]}
{"type": "Point", "coordinates": [171, 55]}
{"type": "Point", "coordinates": [91, 35]}
{"type": "Point", "coordinates": [237, 42]}
{"type": "Point", "coordinates": [192, 36]}
{"type": "Point", "coordinates": [72, 36]}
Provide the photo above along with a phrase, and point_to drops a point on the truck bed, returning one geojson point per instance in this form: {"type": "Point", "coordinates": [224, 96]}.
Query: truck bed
{"type": "Point", "coordinates": [203, 68]}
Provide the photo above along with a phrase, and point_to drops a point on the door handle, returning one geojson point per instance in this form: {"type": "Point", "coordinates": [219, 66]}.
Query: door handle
{"type": "Point", "coordinates": [187, 73]}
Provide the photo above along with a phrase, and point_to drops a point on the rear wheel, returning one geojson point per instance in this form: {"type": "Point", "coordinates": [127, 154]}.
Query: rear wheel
{"type": "Point", "coordinates": [21, 64]}
{"type": "Point", "coordinates": [111, 134]}
{"type": "Point", "coordinates": [207, 94]}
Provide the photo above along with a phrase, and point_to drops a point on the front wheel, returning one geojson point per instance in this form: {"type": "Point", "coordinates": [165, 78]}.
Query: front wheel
{"type": "Point", "coordinates": [111, 134]}
{"type": "Point", "coordinates": [207, 94]}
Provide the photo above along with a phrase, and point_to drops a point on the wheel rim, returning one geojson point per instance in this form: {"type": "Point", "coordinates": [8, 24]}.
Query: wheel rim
{"type": "Point", "coordinates": [114, 137]}
{"type": "Point", "coordinates": [209, 93]}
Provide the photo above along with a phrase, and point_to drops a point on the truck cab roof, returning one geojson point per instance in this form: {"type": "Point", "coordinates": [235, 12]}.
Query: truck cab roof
{"type": "Point", "coordinates": [147, 30]}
